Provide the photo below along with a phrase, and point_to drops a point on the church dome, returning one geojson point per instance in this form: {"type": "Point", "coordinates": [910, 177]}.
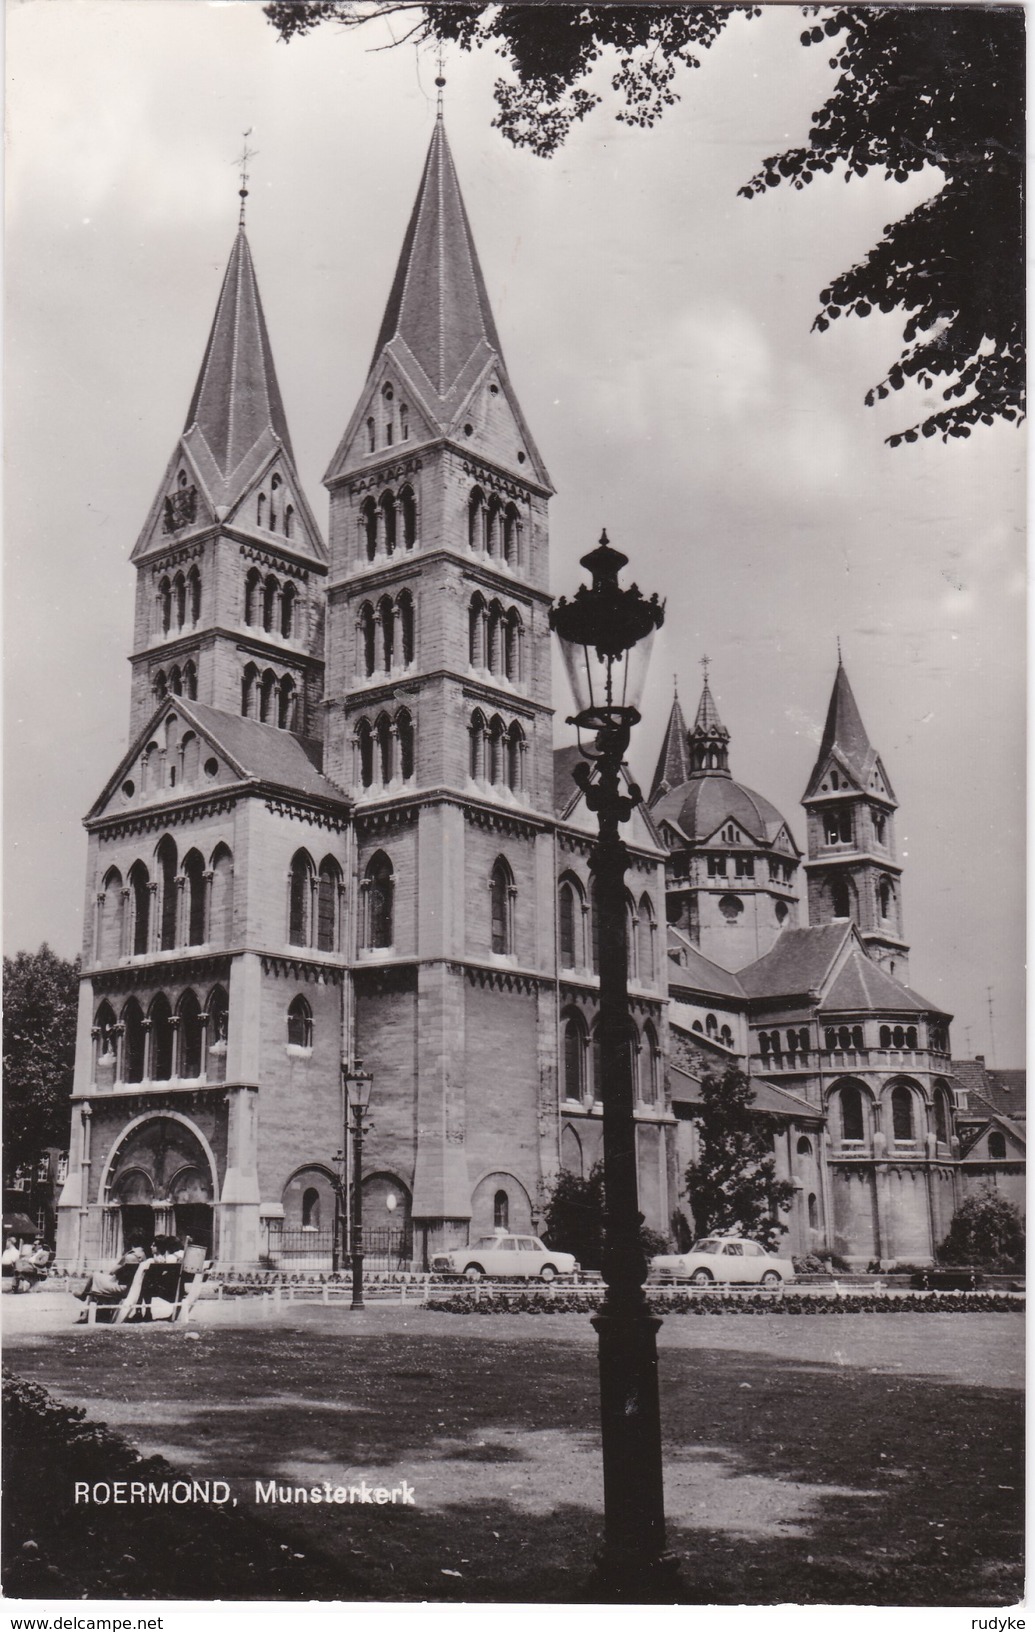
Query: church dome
{"type": "Point", "coordinates": [700, 806]}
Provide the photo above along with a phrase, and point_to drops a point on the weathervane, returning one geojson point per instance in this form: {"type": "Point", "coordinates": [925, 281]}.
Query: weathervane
{"type": "Point", "coordinates": [242, 162]}
{"type": "Point", "coordinates": [705, 665]}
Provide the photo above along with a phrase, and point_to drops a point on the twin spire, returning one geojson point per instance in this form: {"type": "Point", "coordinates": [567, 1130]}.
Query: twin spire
{"type": "Point", "coordinates": [701, 751]}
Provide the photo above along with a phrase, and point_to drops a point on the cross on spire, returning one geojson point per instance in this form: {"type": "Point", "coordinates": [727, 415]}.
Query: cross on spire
{"type": "Point", "coordinates": [705, 666]}
{"type": "Point", "coordinates": [242, 163]}
{"type": "Point", "coordinates": [440, 80]}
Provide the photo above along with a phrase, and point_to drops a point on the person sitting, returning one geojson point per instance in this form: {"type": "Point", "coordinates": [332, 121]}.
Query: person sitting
{"type": "Point", "coordinates": [161, 1286]}
{"type": "Point", "coordinates": [11, 1254]}
{"type": "Point", "coordinates": [108, 1287]}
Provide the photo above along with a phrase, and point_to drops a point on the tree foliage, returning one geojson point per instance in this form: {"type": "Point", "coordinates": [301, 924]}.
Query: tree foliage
{"type": "Point", "coordinates": [917, 86]}
{"type": "Point", "coordinates": [573, 1218]}
{"type": "Point", "coordinates": [41, 994]}
{"type": "Point", "coordinates": [985, 1229]}
{"type": "Point", "coordinates": [733, 1184]}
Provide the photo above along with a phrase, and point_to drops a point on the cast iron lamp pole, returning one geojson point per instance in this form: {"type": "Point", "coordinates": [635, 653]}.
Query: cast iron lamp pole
{"type": "Point", "coordinates": [605, 634]}
{"type": "Point", "coordinates": [357, 1083]}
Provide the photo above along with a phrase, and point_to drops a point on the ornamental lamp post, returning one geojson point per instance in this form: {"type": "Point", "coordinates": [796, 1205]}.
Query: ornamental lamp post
{"type": "Point", "coordinates": [606, 633]}
{"type": "Point", "coordinates": [357, 1084]}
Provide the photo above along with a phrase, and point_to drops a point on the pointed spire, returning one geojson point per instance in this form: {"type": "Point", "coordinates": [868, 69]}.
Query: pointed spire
{"type": "Point", "coordinates": [438, 305]}
{"type": "Point", "coordinates": [844, 729]}
{"type": "Point", "coordinates": [673, 767]}
{"type": "Point", "coordinates": [709, 740]}
{"type": "Point", "coordinates": [236, 402]}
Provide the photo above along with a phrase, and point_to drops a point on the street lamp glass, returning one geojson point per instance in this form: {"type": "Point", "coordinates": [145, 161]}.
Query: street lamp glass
{"type": "Point", "coordinates": [358, 1089]}
{"type": "Point", "coordinates": [599, 681]}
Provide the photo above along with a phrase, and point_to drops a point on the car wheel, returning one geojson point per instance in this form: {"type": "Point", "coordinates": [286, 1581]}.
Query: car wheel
{"type": "Point", "coordinates": [772, 1277]}
{"type": "Point", "coordinates": [547, 1273]}
{"type": "Point", "coordinates": [473, 1272]}
{"type": "Point", "coordinates": [701, 1277]}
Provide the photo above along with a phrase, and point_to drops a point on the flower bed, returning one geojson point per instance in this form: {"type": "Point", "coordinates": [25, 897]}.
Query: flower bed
{"type": "Point", "coordinates": [725, 1303]}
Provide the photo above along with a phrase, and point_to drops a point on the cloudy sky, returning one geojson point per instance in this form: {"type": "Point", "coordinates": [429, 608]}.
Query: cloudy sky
{"type": "Point", "coordinates": [657, 329]}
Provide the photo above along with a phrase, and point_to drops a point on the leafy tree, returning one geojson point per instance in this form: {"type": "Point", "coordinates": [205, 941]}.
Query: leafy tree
{"type": "Point", "coordinates": [573, 1218]}
{"type": "Point", "coordinates": [939, 86]}
{"type": "Point", "coordinates": [985, 1229]}
{"type": "Point", "coordinates": [733, 1183]}
{"type": "Point", "coordinates": [41, 994]}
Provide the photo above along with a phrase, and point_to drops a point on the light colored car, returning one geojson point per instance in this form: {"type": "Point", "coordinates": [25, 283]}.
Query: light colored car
{"type": "Point", "coordinates": [725, 1258]}
{"type": "Point", "coordinates": [509, 1256]}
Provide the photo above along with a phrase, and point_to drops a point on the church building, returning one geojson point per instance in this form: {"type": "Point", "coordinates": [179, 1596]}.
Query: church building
{"type": "Point", "coordinates": [341, 831]}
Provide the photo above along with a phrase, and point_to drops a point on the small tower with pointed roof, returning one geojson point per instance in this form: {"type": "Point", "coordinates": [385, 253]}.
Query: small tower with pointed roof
{"type": "Point", "coordinates": [850, 804]}
{"type": "Point", "coordinates": [230, 561]}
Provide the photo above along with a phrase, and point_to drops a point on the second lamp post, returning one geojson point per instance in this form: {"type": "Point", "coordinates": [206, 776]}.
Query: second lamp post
{"type": "Point", "coordinates": [356, 1085]}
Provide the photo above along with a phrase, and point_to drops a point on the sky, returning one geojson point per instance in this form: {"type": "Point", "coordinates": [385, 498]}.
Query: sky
{"type": "Point", "coordinates": [656, 327]}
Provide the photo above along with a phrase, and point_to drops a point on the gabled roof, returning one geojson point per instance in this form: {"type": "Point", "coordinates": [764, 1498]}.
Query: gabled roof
{"type": "Point", "coordinates": [438, 332]}
{"type": "Point", "coordinates": [976, 1132]}
{"type": "Point", "coordinates": [696, 973]}
{"type": "Point", "coordinates": [565, 790]}
{"type": "Point", "coordinates": [569, 803]}
{"type": "Point", "coordinates": [845, 739]}
{"type": "Point", "coordinates": [686, 1089]}
{"type": "Point", "coordinates": [237, 397]}
{"type": "Point", "coordinates": [253, 753]}
{"type": "Point", "coordinates": [1002, 1092]}
{"type": "Point", "coordinates": [861, 984]}
{"type": "Point", "coordinates": [673, 767]}
{"type": "Point", "coordinates": [799, 962]}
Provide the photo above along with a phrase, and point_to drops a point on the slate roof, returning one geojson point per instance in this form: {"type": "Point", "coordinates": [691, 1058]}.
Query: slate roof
{"type": "Point", "coordinates": [673, 767]}
{"type": "Point", "coordinates": [798, 962]}
{"type": "Point", "coordinates": [262, 752]}
{"type": "Point", "coordinates": [863, 984]}
{"type": "Point", "coordinates": [707, 721]}
{"type": "Point", "coordinates": [1003, 1093]}
{"type": "Point", "coordinates": [701, 806]}
{"type": "Point", "coordinates": [237, 396]}
{"type": "Point", "coordinates": [774, 1101]}
{"type": "Point", "coordinates": [698, 973]}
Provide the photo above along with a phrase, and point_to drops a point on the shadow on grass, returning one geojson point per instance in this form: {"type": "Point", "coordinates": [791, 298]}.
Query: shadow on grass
{"type": "Point", "coordinates": [787, 1481]}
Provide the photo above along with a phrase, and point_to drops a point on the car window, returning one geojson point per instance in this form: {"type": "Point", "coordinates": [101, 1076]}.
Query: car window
{"type": "Point", "coordinates": [753, 1250]}
{"type": "Point", "coordinates": [734, 1249]}
{"type": "Point", "coordinates": [508, 1245]}
{"type": "Point", "coordinates": [527, 1244]}
{"type": "Point", "coordinates": [488, 1241]}
{"type": "Point", "coordinates": [708, 1246]}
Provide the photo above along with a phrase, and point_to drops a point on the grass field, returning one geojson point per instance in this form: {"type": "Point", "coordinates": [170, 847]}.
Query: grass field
{"type": "Point", "coordinates": [863, 1460]}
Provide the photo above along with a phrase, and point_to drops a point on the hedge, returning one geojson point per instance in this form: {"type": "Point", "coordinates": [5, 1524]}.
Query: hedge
{"type": "Point", "coordinates": [717, 1303]}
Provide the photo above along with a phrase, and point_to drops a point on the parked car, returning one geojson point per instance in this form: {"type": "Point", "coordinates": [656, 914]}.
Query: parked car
{"type": "Point", "coordinates": [510, 1256]}
{"type": "Point", "coordinates": [724, 1258]}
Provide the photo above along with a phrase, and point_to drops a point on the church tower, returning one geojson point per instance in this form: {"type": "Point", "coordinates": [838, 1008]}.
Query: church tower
{"type": "Point", "coordinates": [230, 562]}
{"type": "Point", "coordinates": [850, 807]}
{"type": "Point", "coordinates": [439, 726]}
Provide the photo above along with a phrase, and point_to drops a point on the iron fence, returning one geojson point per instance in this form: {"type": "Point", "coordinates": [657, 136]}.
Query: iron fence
{"type": "Point", "coordinates": [383, 1248]}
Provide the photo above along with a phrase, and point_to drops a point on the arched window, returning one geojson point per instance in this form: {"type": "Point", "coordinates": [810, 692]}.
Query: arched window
{"type": "Point", "coordinates": [289, 521]}
{"type": "Point", "coordinates": [365, 745]}
{"type": "Point", "coordinates": [260, 511]}
{"type": "Point", "coordinates": [898, 1037]}
{"type": "Point", "coordinates": [134, 1044]}
{"type": "Point", "coordinates": [902, 1115]}
{"type": "Point", "coordinates": [380, 891]}
{"type": "Point", "coordinates": [179, 586]}
{"type": "Point", "coordinates": [286, 703]}
{"type": "Point", "coordinates": [408, 506]}
{"type": "Point", "coordinates": [270, 596]}
{"type": "Point", "coordinates": [996, 1147]}
{"type": "Point", "coordinates": [512, 646]}
{"type": "Point", "coordinates": [840, 898]}
{"type": "Point", "coordinates": [194, 887]}
{"type": "Point", "coordinates": [645, 941]}
{"type": "Point", "coordinates": [885, 1036]}
{"type": "Point", "coordinates": [404, 424]}
{"type": "Point", "coordinates": [165, 605]}
{"type": "Point", "coordinates": [194, 595]}
{"type": "Point", "coordinates": [813, 1212]}
{"type": "Point", "coordinates": [852, 1119]}
{"type": "Point", "coordinates": [511, 535]}
{"type": "Point", "coordinates": [574, 1053]}
{"type": "Point", "coordinates": [476, 746]}
{"type": "Point", "coordinates": [176, 681]}
{"type": "Point", "coordinates": [631, 966]}
{"type": "Point", "coordinates": [405, 738]}
{"type": "Point", "coordinates": [386, 616]}
{"type": "Point", "coordinates": [189, 1037]}
{"type": "Point", "coordinates": [388, 518]}
{"type": "Point", "coordinates": [274, 501]}
{"type": "Point", "coordinates": [493, 541]}
{"type": "Point", "coordinates": [300, 891]}
{"type": "Point", "coordinates": [650, 1066]}
{"type": "Point", "coordinates": [368, 513]}
{"type": "Point", "coordinates": [388, 396]}
{"type": "Point", "coordinates": [492, 638]}
{"type": "Point", "coordinates": [110, 916]}
{"type": "Point", "coordinates": [804, 1147]}
{"type": "Point", "coordinates": [383, 729]}
{"type": "Point", "coordinates": [494, 769]}
{"type": "Point", "coordinates": [476, 519]}
{"type": "Point", "coordinates": [515, 752]}
{"type": "Point", "coordinates": [267, 692]}
{"type": "Point", "coordinates": [190, 679]}
{"type": "Point", "coordinates": [476, 632]}
{"type": "Point", "coordinates": [221, 906]}
{"type": "Point", "coordinates": [569, 915]}
{"type": "Point", "coordinates": [501, 898]}
{"type": "Point", "coordinates": [248, 686]}
{"type": "Point", "coordinates": [160, 1017]}
{"type": "Point", "coordinates": [288, 597]}
{"type": "Point", "coordinates": [501, 1210]}
{"type": "Point", "coordinates": [941, 1117]}
{"type": "Point", "coordinates": [311, 1209]}
{"type": "Point", "coordinates": [886, 897]}
{"type": "Point", "coordinates": [371, 436]}
{"type": "Point", "coordinates": [299, 1023]}
{"type": "Point", "coordinates": [218, 1031]}
{"type": "Point", "coordinates": [404, 608]}
{"type": "Point", "coordinates": [368, 638]}
{"type": "Point", "coordinates": [328, 898]}
{"type": "Point", "coordinates": [165, 860]}
{"type": "Point", "coordinates": [140, 886]}
{"type": "Point", "coordinates": [910, 1036]}
{"type": "Point", "coordinates": [159, 685]}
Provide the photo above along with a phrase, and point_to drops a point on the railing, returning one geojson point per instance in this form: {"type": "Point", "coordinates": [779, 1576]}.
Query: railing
{"type": "Point", "coordinates": [383, 1248]}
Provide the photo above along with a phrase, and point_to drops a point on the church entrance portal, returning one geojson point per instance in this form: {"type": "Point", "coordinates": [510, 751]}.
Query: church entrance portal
{"type": "Point", "coordinates": [159, 1183]}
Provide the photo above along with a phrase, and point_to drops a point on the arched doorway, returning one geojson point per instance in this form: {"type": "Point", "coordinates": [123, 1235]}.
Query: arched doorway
{"type": "Point", "coordinates": [160, 1181]}
{"type": "Point", "coordinates": [387, 1226]}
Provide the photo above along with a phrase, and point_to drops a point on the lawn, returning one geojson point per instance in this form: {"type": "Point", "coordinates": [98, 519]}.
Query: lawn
{"type": "Point", "coordinates": [864, 1459]}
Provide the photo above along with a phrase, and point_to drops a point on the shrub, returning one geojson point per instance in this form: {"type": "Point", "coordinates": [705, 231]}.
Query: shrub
{"type": "Point", "coordinates": [985, 1230]}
